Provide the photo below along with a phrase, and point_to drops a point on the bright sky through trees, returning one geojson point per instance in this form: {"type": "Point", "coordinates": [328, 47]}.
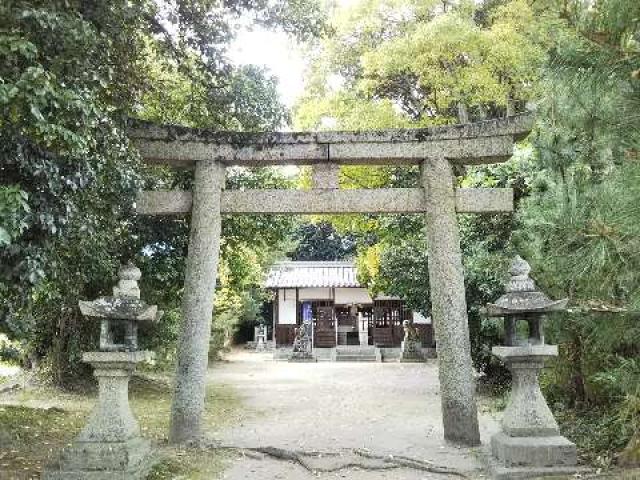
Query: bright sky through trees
{"type": "Point", "coordinates": [280, 53]}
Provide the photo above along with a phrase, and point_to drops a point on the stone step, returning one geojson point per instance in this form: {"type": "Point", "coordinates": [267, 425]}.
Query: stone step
{"type": "Point", "coordinates": [350, 349]}
{"type": "Point", "coordinates": [356, 358]}
{"type": "Point", "coordinates": [324, 354]}
{"type": "Point", "coordinates": [282, 353]}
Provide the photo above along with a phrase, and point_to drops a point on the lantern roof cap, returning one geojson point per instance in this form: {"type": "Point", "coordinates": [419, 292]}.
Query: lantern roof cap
{"type": "Point", "coordinates": [522, 296]}
{"type": "Point", "coordinates": [125, 303]}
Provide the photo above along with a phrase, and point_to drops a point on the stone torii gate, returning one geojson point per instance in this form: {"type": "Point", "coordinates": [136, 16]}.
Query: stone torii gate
{"type": "Point", "coordinates": [436, 150]}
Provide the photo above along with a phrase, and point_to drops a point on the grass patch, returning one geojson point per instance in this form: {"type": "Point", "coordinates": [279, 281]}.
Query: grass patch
{"type": "Point", "coordinates": [597, 432]}
{"type": "Point", "coordinates": [193, 464]}
{"type": "Point", "coordinates": [38, 423]}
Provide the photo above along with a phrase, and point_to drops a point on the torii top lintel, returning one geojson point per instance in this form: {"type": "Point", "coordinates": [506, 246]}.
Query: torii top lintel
{"type": "Point", "coordinates": [488, 141]}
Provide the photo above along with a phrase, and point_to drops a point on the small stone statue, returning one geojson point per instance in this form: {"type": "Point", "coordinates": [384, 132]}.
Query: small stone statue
{"type": "Point", "coordinates": [302, 343]}
{"type": "Point", "coordinates": [410, 332]}
{"type": "Point", "coordinates": [411, 348]}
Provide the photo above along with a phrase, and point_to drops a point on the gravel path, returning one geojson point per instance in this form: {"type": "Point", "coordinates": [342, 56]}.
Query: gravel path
{"type": "Point", "coordinates": [370, 421]}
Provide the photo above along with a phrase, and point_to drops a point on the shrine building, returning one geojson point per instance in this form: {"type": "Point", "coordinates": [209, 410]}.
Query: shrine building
{"type": "Point", "coordinates": [339, 309]}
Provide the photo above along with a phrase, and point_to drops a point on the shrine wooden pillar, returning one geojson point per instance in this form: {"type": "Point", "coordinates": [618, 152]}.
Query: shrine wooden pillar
{"type": "Point", "coordinates": [448, 305]}
{"type": "Point", "coordinates": [197, 303]}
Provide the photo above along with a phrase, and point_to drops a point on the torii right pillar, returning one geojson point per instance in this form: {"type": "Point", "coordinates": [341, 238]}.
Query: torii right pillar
{"type": "Point", "coordinates": [449, 305]}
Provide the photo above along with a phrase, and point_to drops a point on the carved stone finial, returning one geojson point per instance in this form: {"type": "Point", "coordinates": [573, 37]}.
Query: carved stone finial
{"type": "Point", "coordinates": [519, 266]}
{"type": "Point", "coordinates": [128, 277]}
{"type": "Point", "coordinates": [520, 280]}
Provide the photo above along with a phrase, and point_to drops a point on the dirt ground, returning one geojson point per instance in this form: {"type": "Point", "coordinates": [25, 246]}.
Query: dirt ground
{"type": "Point", "coordinates": [335, 420]}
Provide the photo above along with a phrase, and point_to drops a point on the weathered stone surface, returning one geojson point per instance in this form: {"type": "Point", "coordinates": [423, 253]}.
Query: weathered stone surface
{"type": "Point", "coordinates": [463, 150]}
{"type": "Point", "coordinates": [118, 360]}
{"type": "Point", "coordinates": [533, 451]}
{"type": "Point", "coordinates": [325, 175]}
{"type": "Point", "coordinates": [449, 307]}
{"type": "Point", "coordinates": [119, 315]}
{"type": "Point", "coordinates": [522, 296]}
{"type": "Point", "coordinates": [112, 420]}
{"type": "Point", "coordinates": [301, 351]}
{"type": "Point", "coordinates": [109, 447]}
{"type": "Point", "coordinates": [184, 153]}
{"type": "Point", "coordinates": [126, 308]}
{"type": "Point", "coordinates": [500, 472]}
{"type": "Point", "coordinates": [527, 413]}
{"type": "Point", "coordinates": [128, 460]}
{"type": "Point", "coordinates": [321, 201]}
{"type": "Point", "coordinates": [532, 457]}
{"type": "Point", "coordinates": [484, 200]}
{"type": "Point", "coordinates": [114, 456]}
{"type": "Point", "coordinates": [411, 351]}
{"type": "Point", "coordinates": [518, 125]}
{"type": "Point", "coordinates": [128, 277]}
{"type": "Point", "coordinates": [163, 202]}
{"type": "Point", "coordinates": [197, 303]}
{"type": "Point", "coordinates": [530, 436]}
{"type": "Point", "coordinates": [481, 142]}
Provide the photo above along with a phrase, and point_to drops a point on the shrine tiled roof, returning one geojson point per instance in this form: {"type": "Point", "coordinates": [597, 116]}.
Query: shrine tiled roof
{"type": "Point", "coordinates": [292, 274]}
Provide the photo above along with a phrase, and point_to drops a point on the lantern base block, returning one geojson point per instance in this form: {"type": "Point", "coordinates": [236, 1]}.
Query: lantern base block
{"type": "Point", "coordinates": [411, 352]}
{"type": "Point", "coordinates": [531, 457]}
{"type": "Point", "coordinates": [500, 472]}
{"type": "Point", "coordinates": [130, 460]}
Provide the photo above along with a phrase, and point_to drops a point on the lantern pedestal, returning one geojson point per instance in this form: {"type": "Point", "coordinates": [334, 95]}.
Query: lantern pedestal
{"type": "Point", "coordinates": [302, 344]}
{"type": "Point", "coordinates": [109, 447]}
{"type": "Point", "coordinates": [411, 352]}
{"type": "Point", "coordinates": [530, 444]}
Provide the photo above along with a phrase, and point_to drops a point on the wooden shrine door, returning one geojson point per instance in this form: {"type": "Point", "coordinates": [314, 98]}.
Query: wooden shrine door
{"type": "Point", "coordinates": [325, 328]}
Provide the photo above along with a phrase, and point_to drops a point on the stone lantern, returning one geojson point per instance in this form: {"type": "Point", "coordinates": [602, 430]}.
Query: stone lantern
{"type": "Point", "coordinates": [110, 446]}
{"type": "Point", "coordinates": [530, 444]}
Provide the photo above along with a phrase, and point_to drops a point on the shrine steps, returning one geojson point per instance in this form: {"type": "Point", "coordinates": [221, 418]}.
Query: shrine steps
{"type": "Point", "coordinates": [357, 353]}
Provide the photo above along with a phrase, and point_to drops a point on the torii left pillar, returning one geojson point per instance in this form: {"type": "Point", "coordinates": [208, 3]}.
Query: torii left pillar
{"type": "Point", "coordinates": [449, 306]}
{"type": "Point", "coordinates": [197, 303]}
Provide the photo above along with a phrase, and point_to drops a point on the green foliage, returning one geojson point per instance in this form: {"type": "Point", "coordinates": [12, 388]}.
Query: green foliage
{"type": "Point", "coordinates": [65, 156]}
{"type": "Point", "coordinates": [594, 236]}
{"type": "Point", "coordinates": [410, 64]}
{"type": "Point", "coordinates": [10, 351]}
{"type": "Point", "coordinates": [320, 241]}
{"type": "Point", "coordinates": [14, 209]}
{"type": "Point", "coordinates": [393, 63]}
{"type": "Point", "coordinates": [71, 72]}
{"type": "Point", "coordinates": [580, 228]}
